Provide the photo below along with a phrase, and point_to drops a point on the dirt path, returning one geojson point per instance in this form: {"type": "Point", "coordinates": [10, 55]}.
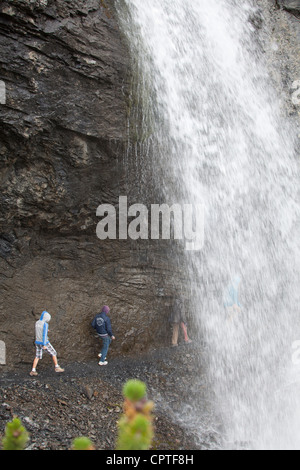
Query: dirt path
{"type": "Point", "coordinates": [87, 399]}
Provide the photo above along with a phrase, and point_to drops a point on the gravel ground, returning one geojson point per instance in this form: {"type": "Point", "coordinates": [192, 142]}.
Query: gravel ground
{"type": "Point", "coordinates": [87, 400]}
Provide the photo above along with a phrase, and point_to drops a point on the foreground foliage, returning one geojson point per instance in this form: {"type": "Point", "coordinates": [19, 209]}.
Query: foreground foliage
{"type": "Point", "coordinates": [16, 436]}
{"type": "Point", "coordinates": [135, 428]}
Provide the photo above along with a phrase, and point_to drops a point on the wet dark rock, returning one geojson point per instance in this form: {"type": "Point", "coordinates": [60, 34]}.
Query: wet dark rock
{"type": "Point", "coordinates": [88, 392]}
{"type": "Point", "coordinates": [63, 146]}
{"type": "Point", "coordinates": [293, 5]}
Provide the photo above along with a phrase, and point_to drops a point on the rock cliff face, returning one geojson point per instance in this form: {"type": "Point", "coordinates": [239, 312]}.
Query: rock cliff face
{"type": "Point", "coordinates": [64, 151]}
{"type": "Point", "coordinates": [63, 141]}
{"type": "Point", "coordinates": [291, 5]}
{"type": "Point", "coordinates": [282, 46]}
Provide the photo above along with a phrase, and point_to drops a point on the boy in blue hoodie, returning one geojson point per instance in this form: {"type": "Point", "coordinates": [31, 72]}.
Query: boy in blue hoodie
{"type": "Point", "coordinates": [102, 325]}
{"type": "Point", "coordinates": [42, 343]}
{"type": "Point", "coordinates": [231, 298]}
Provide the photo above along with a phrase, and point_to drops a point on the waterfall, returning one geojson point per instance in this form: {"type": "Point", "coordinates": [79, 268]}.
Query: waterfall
{"type": "Point", "coordinates": [221, 138]}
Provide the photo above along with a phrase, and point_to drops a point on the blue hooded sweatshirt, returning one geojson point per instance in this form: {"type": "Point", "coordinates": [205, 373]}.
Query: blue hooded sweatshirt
{"type": "Point", "coordinates": [102, 325]}
{"type": "Point", "coordinates": [231, 295]}
{"type": "Point", "coordinates": [41, 329]}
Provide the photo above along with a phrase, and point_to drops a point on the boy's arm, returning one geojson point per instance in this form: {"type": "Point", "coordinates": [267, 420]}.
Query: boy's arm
{"type": "Point", "coordinates": [45, 334]}
{"type": "Point", "coordinates": [183, 316]}
{"type": "Point", "coordinates": [108, 327]}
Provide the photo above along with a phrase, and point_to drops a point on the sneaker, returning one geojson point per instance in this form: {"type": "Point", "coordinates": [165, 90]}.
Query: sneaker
{"type": "Point", "coordinates": [103, 363]}
{"type": "Point", "coordinates": [59, 370]}
{"type": "Point", "coordinates": [33, 373]}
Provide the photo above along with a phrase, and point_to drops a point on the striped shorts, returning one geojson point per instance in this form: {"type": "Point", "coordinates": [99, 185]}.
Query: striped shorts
{"type": "Point", "coordinates": [49, 349]}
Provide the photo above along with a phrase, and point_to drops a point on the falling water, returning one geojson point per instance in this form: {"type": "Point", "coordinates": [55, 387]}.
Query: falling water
{"type": "Point", "coordinates": [223, 140]}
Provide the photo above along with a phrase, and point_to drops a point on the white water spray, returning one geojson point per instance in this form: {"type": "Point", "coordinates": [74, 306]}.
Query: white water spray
{"type": "Point", "coordinates": [225, 143]}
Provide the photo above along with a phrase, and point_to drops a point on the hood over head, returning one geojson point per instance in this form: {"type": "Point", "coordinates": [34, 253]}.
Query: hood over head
{"type": "Point", "coordinates": [236, 281]}
{"type": "Point", "coordinates": [45, 317]}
